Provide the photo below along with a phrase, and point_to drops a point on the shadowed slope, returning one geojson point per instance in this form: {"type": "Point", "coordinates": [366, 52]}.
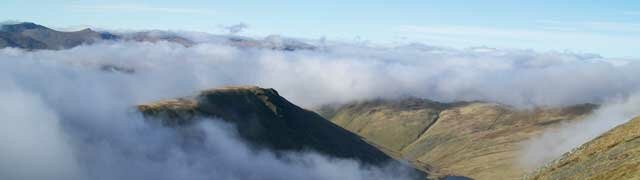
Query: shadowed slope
{"type": "Point", "coordinates": [268, 120]}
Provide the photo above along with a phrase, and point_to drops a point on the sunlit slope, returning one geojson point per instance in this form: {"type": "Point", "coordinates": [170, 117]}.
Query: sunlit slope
{"type": "Point", "coordinates": [613, 155]}
{"type": "Point", "coordinates": [474, 139]}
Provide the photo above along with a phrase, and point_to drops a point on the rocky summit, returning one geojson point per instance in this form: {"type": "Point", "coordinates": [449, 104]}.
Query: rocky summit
{"type": "Point", "coordinates": [478, 140]}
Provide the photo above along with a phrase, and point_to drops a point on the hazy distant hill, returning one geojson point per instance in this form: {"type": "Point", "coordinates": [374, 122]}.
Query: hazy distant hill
{"type": "Point", "coordinates": [265, 119]}
{"type": "Point", "coordinates": [155, 36]}
{"type": "Point", "coordinates": [32, 36]}
{"type": "Point", "coordinates": [474, 139]}
{"type": "Point", "coordinates": [614, 155]}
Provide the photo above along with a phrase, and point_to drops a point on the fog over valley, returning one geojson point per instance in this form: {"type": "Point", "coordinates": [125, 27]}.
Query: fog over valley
{"type": "Point", "coordinates": [72, 112]}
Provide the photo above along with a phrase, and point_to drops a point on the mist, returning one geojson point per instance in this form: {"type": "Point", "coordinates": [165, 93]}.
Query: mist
{"type": "Point", "coordinates": [338, 73]}
{"type": "Point", "coordinates": [33, 143]}
{"type": "Point", "coordinates": [554, 142]}
{"type": "Point", "coordinates": [67, 118]}
{"type": "Point", "coordinates": [77, 104]}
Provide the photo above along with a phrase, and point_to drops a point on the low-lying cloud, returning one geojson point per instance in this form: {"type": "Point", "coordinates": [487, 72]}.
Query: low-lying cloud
{"type": "Point", "coordinates": [340, 73]}
{"type": "Point", "coordinates": [68, 103]}
{"type": "Point", "coordinates": [66, 119]}
{"type": "Point", "coordinates": [32, 142]}
{"type": "Point", "coordinates": [556, 141]}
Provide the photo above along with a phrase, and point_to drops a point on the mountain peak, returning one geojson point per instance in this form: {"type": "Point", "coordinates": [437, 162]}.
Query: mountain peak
{"type": "Point", "coordinates": [242, 89]}
{"type": "Point", "coordinates": [239, 88]}
{"type": "Point", "coordinates": [87, 30]}
{"type": "Point", "coordinates": [22, 26]}
{"type": "Point", "coordinates": [32, 36]}
{"type": "Point", "coordinates": [265, 119]}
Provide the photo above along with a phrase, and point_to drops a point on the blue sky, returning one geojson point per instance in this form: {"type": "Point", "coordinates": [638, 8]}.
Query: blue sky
{"type": "Point", "coordinates": [610, 28]}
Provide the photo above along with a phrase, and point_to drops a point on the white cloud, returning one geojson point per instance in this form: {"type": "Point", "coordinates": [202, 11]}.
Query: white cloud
{"type": "Point", "coordinates": [65, 118]}
{"type": "Point", "coordinates": [110, 141]}
{"type": "Point", "coordinates": [340, 73]}
{"type": "Point", "coordinates": [34, 146]}
{"type": "Point", "coordinates": [236, 28]}
{"type": "Point", "coordinates": [557, 141]}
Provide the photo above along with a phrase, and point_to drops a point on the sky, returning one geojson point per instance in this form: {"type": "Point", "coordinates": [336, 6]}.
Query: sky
{"type": "Point", "coordinates": [609, 28]}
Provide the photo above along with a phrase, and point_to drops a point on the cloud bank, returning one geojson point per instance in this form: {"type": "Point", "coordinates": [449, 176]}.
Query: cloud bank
{"type": "Point", "coordinates": [65, 117]}
{"type": "Point", "coordinates": [33, 143]}
{"type": "Point", "coordinates": [337, 73]}
{"type": "Point", "coordinates": [77, 103]}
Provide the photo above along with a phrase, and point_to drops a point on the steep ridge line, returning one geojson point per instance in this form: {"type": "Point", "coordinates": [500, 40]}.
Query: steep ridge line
{"type": "Point", "coordinates": [435, 120]}
{"type": "Point", "coordinates": [268, 121]}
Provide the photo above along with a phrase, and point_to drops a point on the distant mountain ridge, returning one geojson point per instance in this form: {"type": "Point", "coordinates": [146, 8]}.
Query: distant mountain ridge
{"type": "Point", "coordinates": [31, 36]}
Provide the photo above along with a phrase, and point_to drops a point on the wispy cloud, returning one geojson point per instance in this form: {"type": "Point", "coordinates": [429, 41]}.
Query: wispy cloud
{"type": "Point", "coordinates": [234, 29]}
{"type": "Point", "coordinates": [138, 8]}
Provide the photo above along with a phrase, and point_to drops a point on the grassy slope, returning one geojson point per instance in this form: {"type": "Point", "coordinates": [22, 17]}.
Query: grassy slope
{"type": "Point", "coordinates": [613, 155]}
{"type": "Point", "coordinates": [474, 139]}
